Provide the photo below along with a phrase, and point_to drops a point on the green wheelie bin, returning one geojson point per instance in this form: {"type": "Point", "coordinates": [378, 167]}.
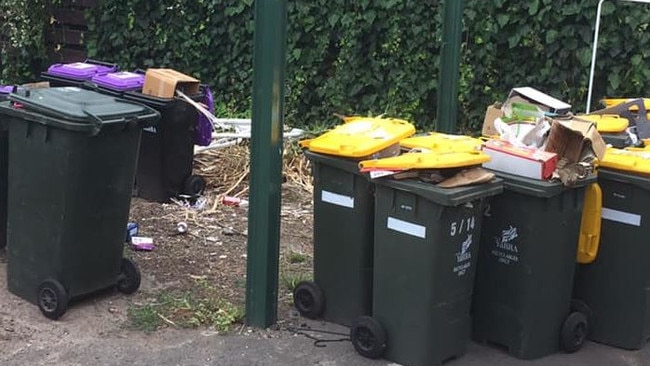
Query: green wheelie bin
{"type": "Point", "coordinates": [344, 202]}
{"type": "Point", "coordinates": [4, 92]}
{"type": "Point", "coordinates": [525, 273]}
{"type": "Point", "coordinates": [426, 248]}
{"type": "Point", "coordinates": [614, 289]}
{"type": "Point", "coordinates": [342, 286]}
{"type": "Point", "coordinates": [72, 161]}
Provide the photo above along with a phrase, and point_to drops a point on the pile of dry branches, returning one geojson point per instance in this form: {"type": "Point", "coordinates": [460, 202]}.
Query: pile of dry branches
{"type": "Point", "coordinates": [227, 171]}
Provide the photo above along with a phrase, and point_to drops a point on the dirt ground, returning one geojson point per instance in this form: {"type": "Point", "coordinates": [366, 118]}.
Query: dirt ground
{"type": "Point", "coordinates": [194, 279]}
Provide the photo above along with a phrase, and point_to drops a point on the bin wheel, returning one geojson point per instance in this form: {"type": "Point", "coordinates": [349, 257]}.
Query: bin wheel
{"type": "Point", "coordinates": [368, 337]}
{"type": "Point", "coordinates": [52, 299]}
{"type": "Point", "coordinates": [128, 281]}
{"type": "Point", "coordinates": [194, 185]}
{"type": "Point", "coordinates": [581, 307]}
{"type": "Point", "coordinates": [308, 299]}
{"type": "Point", "coordinates": [574, 332]}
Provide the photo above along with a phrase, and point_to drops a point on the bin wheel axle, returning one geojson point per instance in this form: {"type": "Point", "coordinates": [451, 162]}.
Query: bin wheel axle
{"type": "Point", "coordinates": [52, 299]}
{"type": "Point", "coordinates": [574, 332]}
{"type": "Point", "coordinates": [368, 337]}
{"type": "Point", "coordinates": [308, 299]}
{"type": "Point", "coordinates": [129, 279]}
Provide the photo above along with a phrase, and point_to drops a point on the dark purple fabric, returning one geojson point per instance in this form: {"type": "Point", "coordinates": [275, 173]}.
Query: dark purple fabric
{"type": "Point", "coordinates": [203, 134]}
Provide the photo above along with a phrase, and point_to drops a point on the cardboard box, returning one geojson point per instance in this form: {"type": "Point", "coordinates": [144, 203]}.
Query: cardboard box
{"type": "Point", "coordinates": [491, 114]}
{"type": "Point", "coordinates": [574, 139]}
{"type": "Point", "coordinates": [163, 83]}
{"type": "Point", "coordinates": [533, 96]}
{"type": "Point", "coordinates": [531, 163]}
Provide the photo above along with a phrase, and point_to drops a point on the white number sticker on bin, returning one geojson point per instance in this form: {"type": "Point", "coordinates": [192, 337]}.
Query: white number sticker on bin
{"type": "Point", "coordinates": [406, 227]}
{"type": "Point", "coordinates": [621, 216]}
{"type": "Point", "coordinates": [337, 199]}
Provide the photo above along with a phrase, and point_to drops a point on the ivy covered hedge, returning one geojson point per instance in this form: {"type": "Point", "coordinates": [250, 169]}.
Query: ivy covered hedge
{"type": "Point", "coordinates": [381, 56]}
{"type": "Point", "coordinates": [22, 42]}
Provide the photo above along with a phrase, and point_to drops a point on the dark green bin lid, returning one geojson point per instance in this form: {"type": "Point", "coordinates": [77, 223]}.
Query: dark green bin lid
{"type": "Point", "coordinates": [639, 180]}
{"type": "Point", "coordinates": [77, 109]}
{"type": "Point", "coordinates": [445, 196]}
{"type": "Point", "coordinates": [540, 188]}
{"type": "Point", "coordinates": [346, 164]}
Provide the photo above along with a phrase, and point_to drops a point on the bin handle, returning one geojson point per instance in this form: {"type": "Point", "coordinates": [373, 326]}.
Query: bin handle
{"type": "Point", "coordinates": [101, 63]}
{"type": "Point", "coordinates": [98, 123]}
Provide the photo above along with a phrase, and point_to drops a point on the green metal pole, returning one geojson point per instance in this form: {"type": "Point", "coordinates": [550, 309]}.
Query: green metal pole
{"type": "Point", "coordinates": [452, 28]}
{"type": "Point", "coordinates": [266, 162]}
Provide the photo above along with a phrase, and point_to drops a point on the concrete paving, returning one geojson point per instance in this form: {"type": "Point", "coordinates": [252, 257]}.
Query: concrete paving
{"type": "Point", "coordinates": [93, 333]}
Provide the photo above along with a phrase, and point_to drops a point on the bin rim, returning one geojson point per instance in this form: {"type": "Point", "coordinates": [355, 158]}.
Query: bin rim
{"type": "Point", "coordinates": [92, 128]}
{"type": "Point", "coordinates": [625, 176]}
{"type": "Point", "coordinates": [351, 165]}
{"type": "Point", "coordinates": [540, 188]}
{"type": "Point", "coordinates": [158, 102]}
{"type": "Point", "coordinates": [445, 196]}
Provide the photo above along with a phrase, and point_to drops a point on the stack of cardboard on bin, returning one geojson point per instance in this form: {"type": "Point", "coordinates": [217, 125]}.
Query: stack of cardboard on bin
{"type": "Point", "coordinates": [535, 135]}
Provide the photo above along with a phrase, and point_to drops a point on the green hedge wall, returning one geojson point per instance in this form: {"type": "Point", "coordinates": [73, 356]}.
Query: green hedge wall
{"type": "Point", "coordinates": [381, 57]}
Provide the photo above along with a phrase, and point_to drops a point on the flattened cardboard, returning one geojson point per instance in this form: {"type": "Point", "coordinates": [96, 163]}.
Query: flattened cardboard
{"type": "Point", "coordinates": [163, 83]}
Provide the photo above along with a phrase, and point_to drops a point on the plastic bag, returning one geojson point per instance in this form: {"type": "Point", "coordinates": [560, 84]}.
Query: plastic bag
{"type": "Point", "coordinates": [203, 132]}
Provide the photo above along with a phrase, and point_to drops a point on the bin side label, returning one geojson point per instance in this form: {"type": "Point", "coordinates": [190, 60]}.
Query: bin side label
{"type": "Point", "coordinates": [406, 227]}
{"type": "Point", "coordinates": [621, 216]}
{"type": "Point", "coordinates": [505, 246]}
{"type": "Point", "coordinates": [464, 256]}
{"type": "Point", "coordinates": [337, 199]}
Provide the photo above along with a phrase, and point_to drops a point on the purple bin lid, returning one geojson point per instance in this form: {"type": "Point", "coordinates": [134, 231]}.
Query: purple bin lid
{"type": "Point", "coordinates": [6, 89]}
{"type": "Point", "coordinates": [79, 70]}
{"type": "Point", "coordinates": [120, 81]}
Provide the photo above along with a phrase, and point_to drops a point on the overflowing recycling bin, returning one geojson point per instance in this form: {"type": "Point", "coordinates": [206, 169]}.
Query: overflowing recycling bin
{"type": "Point", "coordinates": [425, 254]}
{"type": "Point", "coordinates": [343, 197]}
{"type": "Point", "coordinates": [613, 288]}
{"type": "Point", "coordinates": [72, 159]}
{"type": "Point", "coordinates": [526, 266]}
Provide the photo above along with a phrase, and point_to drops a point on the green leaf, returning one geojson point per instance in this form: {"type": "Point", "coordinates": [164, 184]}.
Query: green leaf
{"type": "Point", "coordinates": [551, 36]}
{"type": "Point", "coordinates": [533, 7]}
{"type": "Point", "coordinates": [614, 80]}
{"type": "Point", "coordinates": [502, 19]}
{"type": "Point", "coordinates": [370, 16]}
{"type": "Point", "coordinates": [584, 56]}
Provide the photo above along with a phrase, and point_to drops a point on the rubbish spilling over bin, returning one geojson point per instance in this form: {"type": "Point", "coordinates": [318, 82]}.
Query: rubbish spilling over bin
{"type": "Point", "coordinates": [613, 288]}
{"type": "Point", "coordinates": [425, 252]}
{"type": "Point", "coordinates": [344, 198]}
{"type": "Point", "coordinates": [72, 157]}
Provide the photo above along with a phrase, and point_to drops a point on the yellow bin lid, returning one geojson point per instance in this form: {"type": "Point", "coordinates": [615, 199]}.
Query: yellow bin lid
{"type": "Point", "coordinates": [590, 224]}
{"type": "Point", "coordinates": [610, 102]}
{"type": "Point", "coordinates": [436, 141]}
{"type": "Point", "coordinates": [636, 160]}
{"type": "Point", "coordinates": [607, 122]}
{"type": "Point", "coordinates": [426, 160]}
{"type": "Point", "coordinates": [360, 137]}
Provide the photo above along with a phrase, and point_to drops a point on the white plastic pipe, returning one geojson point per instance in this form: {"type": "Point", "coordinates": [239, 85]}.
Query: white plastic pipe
{"type": "Point", "coordinates": [595, 48]}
